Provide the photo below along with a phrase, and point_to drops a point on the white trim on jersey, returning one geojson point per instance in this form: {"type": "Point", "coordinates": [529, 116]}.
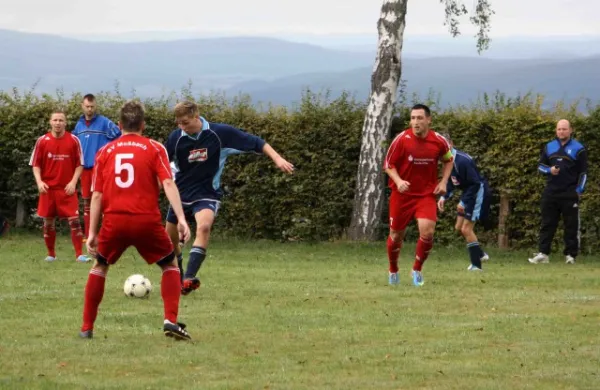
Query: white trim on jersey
{"type": "Point", "coordinates": [162, 147]}
{"type": "Point", "coordinates": [394, 144]}
{"type": "Point", "coordinates": [200, 200]}
{"type": "Point", "coordinates": [35, 149]}
{"type": "Point", "coordinates": [80, 148]}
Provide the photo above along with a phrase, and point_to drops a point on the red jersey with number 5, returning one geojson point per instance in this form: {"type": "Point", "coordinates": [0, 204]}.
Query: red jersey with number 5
{"type": "Point", "coordinates": [416, 160]}
{"type": "Point", "coordinates": [127, 172]}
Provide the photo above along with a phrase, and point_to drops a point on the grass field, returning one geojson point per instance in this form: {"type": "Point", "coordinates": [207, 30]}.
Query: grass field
{"type": "Point", "coordinates": [301, 316]}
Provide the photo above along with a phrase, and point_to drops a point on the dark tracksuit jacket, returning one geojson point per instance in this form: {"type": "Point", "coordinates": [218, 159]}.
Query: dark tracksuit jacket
{"type": "Point", "coordinates": [562, 191]}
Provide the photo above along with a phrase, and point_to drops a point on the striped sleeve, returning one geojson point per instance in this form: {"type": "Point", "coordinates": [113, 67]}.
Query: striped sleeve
{"type": "Point", "coordinates": [394, 152]}
{"type": "Point", "coordinates": [163, 169]}
{"type": "Point", "coordinates": [34, 161]}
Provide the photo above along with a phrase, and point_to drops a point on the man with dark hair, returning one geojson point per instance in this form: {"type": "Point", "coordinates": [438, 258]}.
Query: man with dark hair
{"type": "Point", "coordinates": [412, 166]}
{"type": "Point", "coordinates": [94, 131]}
{"type": "Point", "coordinates": [474, 202]}
{"type": "Point", "coordinates": [564, 163]}
{"type": "Point", "coordinates": [198, 151]}
{"type": "Point", "coordinates": [125, 189]}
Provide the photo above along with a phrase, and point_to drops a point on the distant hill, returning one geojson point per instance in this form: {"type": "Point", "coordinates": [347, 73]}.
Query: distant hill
{"type": "Point", "coordinates": [151, 66]}
{"type": "Point", "coordinates": [456, 80]}
{"type": "Point", "coordinates": [274, 70]}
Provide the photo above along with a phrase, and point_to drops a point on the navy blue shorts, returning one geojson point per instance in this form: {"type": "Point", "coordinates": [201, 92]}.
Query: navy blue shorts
{"type": "Point", "coordinates": [478, 208]}
{"type": "Point", "coordinates": [190, 210]}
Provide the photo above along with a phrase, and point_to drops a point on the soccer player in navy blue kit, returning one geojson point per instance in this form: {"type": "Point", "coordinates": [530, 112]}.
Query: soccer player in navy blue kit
{"type": "Point", "coordinates": [473, 205]}
{"type": "Point", "coordinates": [94, 131]}
{"type": "Point", "coordinates": [197, 151]}
{"type": "Point", "coordinates": [564, 163]}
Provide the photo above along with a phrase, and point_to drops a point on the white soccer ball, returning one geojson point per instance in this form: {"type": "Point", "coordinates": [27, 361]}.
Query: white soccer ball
{"type": "Point", "coordinates": [137, 286]}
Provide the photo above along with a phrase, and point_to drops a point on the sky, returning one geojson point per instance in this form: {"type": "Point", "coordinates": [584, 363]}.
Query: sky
{"type": "Point", "coordinates": [268, 17]}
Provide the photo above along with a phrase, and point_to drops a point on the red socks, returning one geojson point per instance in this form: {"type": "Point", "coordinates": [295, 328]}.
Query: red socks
{"type": "Point", "coordinates": [50, 239]}
{"type": "Point", "coordinates": [94, 291]}
{"type": "Point", "coordinates": [422, 252]}
{"type": "Point", "coordinates": [170, 290]}
{"type": "Point", "coordinates": [76, 236]}
{"type": "Point", "coordinates": [393, 251]}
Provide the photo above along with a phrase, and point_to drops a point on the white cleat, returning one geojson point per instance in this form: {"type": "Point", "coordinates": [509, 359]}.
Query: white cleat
{"type": "Point", "coordinates": [485, 257]}
{"type": "Point", "coordinates": [474, 268]}
{"type": "Point", "coordinates": [540, 258]}
{"type": "Point", "coordinates": [569, 259]}
{"type": "Point", "coordinates": [50, 259]}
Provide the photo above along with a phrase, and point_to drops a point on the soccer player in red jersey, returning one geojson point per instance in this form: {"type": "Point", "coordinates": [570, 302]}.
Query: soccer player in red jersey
{"type": "Point", "coordinates": [128, 173]}
{"type": "Point", "coordinates": [57, 162]}
{"type": "Point", "coordinates": [412, 166]}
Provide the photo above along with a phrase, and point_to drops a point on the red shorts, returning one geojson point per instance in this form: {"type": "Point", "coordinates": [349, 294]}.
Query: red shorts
{"type": "Point", "coordinates": [145, 232]}
{"type": "Point", "coordinates": [55, 203]}
{"type": "Point", "coordinates": [86, 183]}
{"type": "Point", "coordinates": [405, 208]}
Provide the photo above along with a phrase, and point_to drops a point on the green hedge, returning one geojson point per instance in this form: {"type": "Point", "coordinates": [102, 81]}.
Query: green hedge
{"type": "Point", "coordinates": [321, 137]}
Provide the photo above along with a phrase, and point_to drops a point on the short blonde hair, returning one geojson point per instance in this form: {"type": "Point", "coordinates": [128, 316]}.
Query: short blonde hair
{"type": "Point", "coordinates": [186, 108]}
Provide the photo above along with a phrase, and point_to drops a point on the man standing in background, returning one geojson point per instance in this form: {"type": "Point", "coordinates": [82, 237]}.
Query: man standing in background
{"type": "Point", "coordinates": [94, 131]}
{"type": "Point", "coordinates": [564, 162]}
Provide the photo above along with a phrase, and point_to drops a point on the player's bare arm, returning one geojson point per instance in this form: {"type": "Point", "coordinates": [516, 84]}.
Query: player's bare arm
{"type": "Point", "coordinates": [72, 185]}
{"type": "Point", "coordinates": [440, 189]}
{"type": "Point", "coordinates": [172, 194]}
{"type": "Point", "coordinates": [281, 162]}
{"type": "Point", "coordinates": [42, 187]}
{"type": "Point", "coordinates": [402, 185]}
{"type": "Point", "coordinates": [95, 212]}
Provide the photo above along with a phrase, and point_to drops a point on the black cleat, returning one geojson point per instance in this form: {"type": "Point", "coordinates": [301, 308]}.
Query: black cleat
{"type": "Point", "coordinates": [177, 331]}
{"type": "Point", "coordinates": [190, 285]}
{"type": "Point", "coordinates": [88, 334]}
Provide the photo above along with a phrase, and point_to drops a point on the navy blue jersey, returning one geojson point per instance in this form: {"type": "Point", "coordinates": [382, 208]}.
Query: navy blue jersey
{"type": "Point", "coordinates": [571, 158]}
{"type": "Point", "coordinates": [198, 160]}
{"type": "Point", "coordinates": [466, 177]}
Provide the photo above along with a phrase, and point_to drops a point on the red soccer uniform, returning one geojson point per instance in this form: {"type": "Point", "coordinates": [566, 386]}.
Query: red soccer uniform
{"type": "Point", "coordinates": [57, 158]}
{"type": "Point", "coordinates": [416, 160]}
{"type": "Point", "coordinates": [127, 172]}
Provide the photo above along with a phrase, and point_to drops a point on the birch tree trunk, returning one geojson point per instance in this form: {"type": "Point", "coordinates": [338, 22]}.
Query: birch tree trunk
{"type": "Point", "coordinates": [370, 183]}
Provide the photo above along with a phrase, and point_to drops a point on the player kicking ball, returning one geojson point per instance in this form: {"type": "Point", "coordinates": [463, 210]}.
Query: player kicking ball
{"type": "Point", "coordinates": [198, 151]}
{"type": "Point", "coordinates": [125, 187]}
{"type": "Point", "coordinates": [474, 203]}
{"type": "Point", "coordinates": [412, 166]}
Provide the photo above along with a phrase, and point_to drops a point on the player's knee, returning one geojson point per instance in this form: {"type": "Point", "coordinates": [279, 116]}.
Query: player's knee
{"type": "Point", "coordinates": [203, 229]}
{"type": "Point", "coordinates": [466, 229]}
{"type": "Point", "coordinates": [458, 227]}
{"type": "Point", "coordinates": [168, 260]}
{"type": "Point", "coordinates": [396, 235]}
{"type": "Point", "coordinates": [74, 223]}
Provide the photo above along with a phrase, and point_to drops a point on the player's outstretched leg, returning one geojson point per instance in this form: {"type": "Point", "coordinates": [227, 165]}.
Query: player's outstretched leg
{"type": "Point", "coordinates": [170, 290]}
{"type": "Point", "coordinates": [94, 291]}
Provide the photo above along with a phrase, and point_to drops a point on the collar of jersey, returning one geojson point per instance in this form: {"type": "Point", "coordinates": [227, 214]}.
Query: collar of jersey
{"type": "Point", "coordinates": [205, 126]}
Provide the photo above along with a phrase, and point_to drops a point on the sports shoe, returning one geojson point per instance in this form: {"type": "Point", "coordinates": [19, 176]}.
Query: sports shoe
{"type": "Point", "coordinates": [88, 334]}
{"type": "Point", "coordinates": [417, 278]}
{"type": "Point", "coordinates": [83, 259]}
{"type": "Point", "coordinates": [393, 278]}
{"type": "Point", "coordinates": [50, 259]}
{"type": "Point", "coordinates": [569, 259]}
{"type": "Point", "coordinates": [485, 257]}
{"type": "Point", "coordinates": [473, 268]}
{"type": "Point", "coordinates": [190, 285]}
{"type": "Point", "coordinates": [177, 331]}
{"type": "Point", "coordinates": [539, 258]}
